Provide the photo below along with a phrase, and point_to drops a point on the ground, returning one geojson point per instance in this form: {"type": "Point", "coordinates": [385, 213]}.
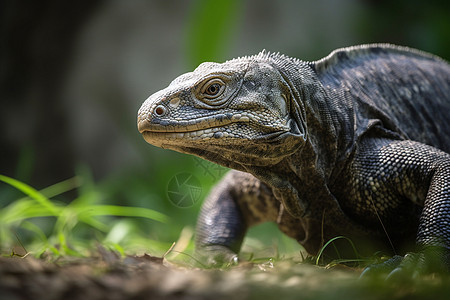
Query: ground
{"type": "Point", "coordinates": [109, 276]}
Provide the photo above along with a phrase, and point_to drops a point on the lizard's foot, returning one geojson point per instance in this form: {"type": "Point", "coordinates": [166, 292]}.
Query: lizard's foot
{"type": "Point", "coordinates": [217, 256]}
{"type": "Point", "coordinates": [398, 268]}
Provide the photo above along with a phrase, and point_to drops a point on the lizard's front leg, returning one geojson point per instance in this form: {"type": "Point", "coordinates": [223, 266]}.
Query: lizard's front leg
{"type": "Point", "coordinates": [396, 179]}
{"type": "Point", "coordinates": [236, 203]}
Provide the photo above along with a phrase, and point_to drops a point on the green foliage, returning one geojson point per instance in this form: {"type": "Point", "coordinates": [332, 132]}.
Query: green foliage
{"type": "Point", "coordinates": [26, 214]}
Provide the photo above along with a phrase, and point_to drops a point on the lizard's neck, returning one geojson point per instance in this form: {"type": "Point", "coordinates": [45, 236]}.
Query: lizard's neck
{"type": "Point", "coordinates": [300, 180]}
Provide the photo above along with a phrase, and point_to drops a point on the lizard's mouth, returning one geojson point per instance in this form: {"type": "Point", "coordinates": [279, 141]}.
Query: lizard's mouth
{"type": "Point", "coordinates": [214, 130]}
{"type": "Point", "coordinates": [160, 132]}
{"type": "Point", "coordinates": [196, 125]}
{"type": "Point", "coordinates": [225, 139]}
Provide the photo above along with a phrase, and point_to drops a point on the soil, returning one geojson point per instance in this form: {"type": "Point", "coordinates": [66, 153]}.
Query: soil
{"type": "Point", "coordinates": [108, 276]}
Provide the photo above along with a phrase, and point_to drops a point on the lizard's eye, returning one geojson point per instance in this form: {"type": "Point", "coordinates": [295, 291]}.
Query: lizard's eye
{"type": "Point", "coordinates": [213, 88]}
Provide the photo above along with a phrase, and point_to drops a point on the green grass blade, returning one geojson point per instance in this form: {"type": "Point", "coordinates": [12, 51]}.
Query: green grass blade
{"type": "Point", "coordinates": [31, 192]}
{"type": "Point", "coordinates": [124, 211]}
{"type": "Point", "coordinates": [61, 187]}
{"type": "Point", "coordinates": [94, 223]}
{"type": "Point", "coordinates": [319, 255]}
{"type": "Point", "coordinates": [22, 209]}
{"type": "Point", "coordinates": [118, 248]}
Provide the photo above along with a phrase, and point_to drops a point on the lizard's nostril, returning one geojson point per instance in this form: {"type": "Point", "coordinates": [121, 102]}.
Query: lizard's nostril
{"type": "Point", "coordinates": [160, 110]}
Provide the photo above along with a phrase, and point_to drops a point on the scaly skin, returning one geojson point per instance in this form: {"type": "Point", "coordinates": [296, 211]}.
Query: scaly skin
{"type": "Point", "coordinates": [355, 144]}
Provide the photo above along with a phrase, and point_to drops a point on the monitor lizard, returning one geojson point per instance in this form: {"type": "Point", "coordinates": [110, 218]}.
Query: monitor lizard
{"type": "Point", "coordinates": [354, 144]}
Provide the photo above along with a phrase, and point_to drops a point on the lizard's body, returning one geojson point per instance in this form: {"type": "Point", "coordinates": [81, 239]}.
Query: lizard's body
{"type": "Point", "coordinates": [333, 147]}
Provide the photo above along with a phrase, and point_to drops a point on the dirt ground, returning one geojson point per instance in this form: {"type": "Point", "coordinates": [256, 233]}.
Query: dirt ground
{"type": "Point", "coordinates": [145, 277]}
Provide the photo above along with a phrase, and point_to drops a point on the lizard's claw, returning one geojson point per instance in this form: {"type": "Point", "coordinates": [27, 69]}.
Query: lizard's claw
{"type": "Point", "coordinates": [426, 261]}
{"type": "Point", "coordinates": [382, 268]}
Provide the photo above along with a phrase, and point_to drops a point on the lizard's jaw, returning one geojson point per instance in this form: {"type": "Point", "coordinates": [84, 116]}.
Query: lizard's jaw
{"type": "Point", "coordinates": [185, 126]}
{"type": "Point", "coordinates": [228, 134]}
{"type": "Point", "coordinates": [236, 133]}
{"type": "Point", "coordinates": [163, 132]}
{"type": "Point", "coordinates": [219, 145]}
{"type": "Point", "coordinates": [166, 139]}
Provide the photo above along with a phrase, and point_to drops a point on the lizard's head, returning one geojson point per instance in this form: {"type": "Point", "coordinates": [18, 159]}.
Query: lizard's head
{"type": "Point", "coordinates": [241, 110]}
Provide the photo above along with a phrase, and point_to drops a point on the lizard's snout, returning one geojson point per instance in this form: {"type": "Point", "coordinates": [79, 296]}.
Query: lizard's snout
{"type": "Point", "coordinates": [151, 108]}
{"type": "Point", "coordinates": [144, 113]}
{"type": "Point", "coordinates": [143, 123]}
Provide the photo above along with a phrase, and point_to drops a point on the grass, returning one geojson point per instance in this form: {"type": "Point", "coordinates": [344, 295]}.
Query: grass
{"type": "Point", "coordinates": [37, 210]}
{"type": "Point", "coordinates": [40, 223]}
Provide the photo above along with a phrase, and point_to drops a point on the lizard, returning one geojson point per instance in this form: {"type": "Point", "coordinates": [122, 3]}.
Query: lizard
{"type": "Point", "coordinates": [353, 144]}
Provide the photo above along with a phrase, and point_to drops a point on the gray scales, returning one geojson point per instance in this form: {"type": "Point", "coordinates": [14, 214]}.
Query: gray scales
{"type": "Point", "coordinates": [354, 144]}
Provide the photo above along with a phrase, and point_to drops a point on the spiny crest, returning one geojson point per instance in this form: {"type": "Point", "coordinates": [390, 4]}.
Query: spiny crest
{"type": "Point", "coordinates": [274, 57]}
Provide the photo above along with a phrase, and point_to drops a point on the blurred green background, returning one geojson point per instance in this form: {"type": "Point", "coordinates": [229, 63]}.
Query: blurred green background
{"type": "Point", "coordinates": [74, 74]}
